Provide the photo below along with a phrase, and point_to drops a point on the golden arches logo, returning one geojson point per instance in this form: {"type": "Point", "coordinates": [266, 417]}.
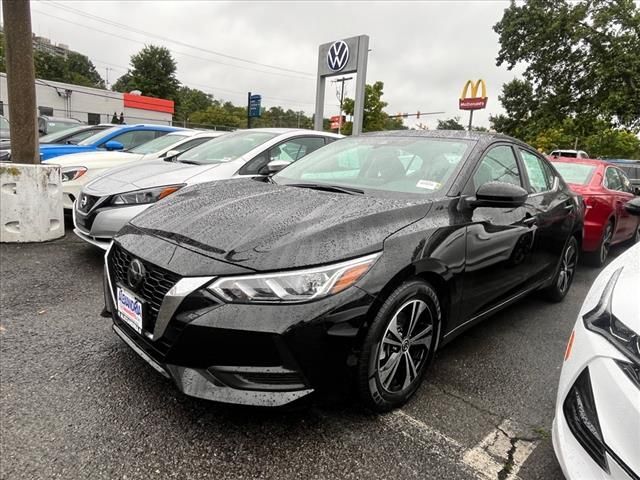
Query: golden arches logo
{"type": "Point", "coordinates": [473, 101]}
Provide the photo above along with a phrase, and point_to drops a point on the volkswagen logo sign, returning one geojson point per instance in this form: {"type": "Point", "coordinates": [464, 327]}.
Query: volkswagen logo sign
{"type": "Point", "coordinates": [135, 273]}
{"type": "Point", "coordinates": [338, 56]}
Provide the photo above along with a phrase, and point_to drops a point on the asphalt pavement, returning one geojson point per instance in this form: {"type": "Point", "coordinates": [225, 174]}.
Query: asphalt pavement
{"type": "Point", "coordinates": [76, 402]}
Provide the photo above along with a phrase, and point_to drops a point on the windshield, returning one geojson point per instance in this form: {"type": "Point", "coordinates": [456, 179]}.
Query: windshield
{"type": "Point", "coordinates": [99, 136]}
{"type": "Point", "coordinates": [54, 137]}
{"type": "Point", "coordinates": [59, 126]}
{"type": "Point", "coordinates": [415, 165]}
{"type": "Point", "coordinates": [157, 144]}
{"type": "Point", "coordinates": [562, 153]}
{"type": "Point", "coordinates": [576, 173]}
{"type": "Point", "coordinates": [4, 123]}
{"type": "Point", "coordinates": [226, 148]}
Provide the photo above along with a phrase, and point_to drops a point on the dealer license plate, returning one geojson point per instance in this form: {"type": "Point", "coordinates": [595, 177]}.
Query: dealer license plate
{"type": "Point", "coordinates": [130, 309]}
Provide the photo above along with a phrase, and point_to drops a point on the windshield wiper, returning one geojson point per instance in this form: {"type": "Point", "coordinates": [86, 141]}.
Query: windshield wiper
{"type": "Point", "coordinates": [328, 188]}
{"type": "Point", "coordinates": [190, 162]}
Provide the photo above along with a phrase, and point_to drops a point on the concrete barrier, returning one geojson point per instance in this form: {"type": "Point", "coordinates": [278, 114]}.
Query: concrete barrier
{"type": "Point", "coordinates": [30, 203]}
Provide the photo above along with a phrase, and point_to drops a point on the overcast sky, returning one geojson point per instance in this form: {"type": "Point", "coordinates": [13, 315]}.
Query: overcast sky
{"type": "Point", "coordinates": [422, 51]}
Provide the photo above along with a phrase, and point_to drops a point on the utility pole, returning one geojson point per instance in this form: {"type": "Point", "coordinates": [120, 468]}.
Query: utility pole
{"type": "Point", "coordinates": [341, 98]}
{"type": "Point", "coordinates": [20, 81]}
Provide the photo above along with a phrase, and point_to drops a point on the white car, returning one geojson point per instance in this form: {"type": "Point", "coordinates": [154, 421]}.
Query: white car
{"type": "Point", "coordinates": [596, 430]}
{"type": "Point", "coordinates": [570, 154]}
{"type": "Point", "coordinates": [80, 168]}
{"type": "Point", "coordinates": [106, 204]}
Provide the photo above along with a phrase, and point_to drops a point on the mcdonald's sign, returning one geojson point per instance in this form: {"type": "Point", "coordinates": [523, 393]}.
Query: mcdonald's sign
{"type": "Point", "coordinates": [473, 102]}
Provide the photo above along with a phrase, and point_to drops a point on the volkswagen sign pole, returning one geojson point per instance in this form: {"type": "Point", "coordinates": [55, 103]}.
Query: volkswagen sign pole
{"type": "Point", "coordinates": [341, 57]}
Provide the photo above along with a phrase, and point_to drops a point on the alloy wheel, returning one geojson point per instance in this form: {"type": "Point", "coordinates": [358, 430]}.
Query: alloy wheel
{"type": "Point", "coordinates": [567, 268]}
{"type": "Point", "coordinates": [404, 347]}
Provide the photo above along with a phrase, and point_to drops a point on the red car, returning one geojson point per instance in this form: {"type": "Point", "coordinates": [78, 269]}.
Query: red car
{"type": "Point", "coordinates": [605, 189]}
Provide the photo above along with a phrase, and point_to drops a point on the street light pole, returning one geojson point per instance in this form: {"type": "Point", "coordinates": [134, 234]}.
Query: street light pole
{"type": "Point", "coordinates": [20, 81]}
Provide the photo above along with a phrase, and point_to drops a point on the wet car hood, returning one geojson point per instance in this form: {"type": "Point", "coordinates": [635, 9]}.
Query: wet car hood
{"type": "Point", "coordinates": [156, 173]}
{"type": "Point", "coordinates": [265, 227]}
{"type": "Point", "coordinates": [88, 158]}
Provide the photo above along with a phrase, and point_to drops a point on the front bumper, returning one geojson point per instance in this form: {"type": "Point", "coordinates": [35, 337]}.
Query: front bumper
{"type": "Point", "coordinates": [100, 224]}
{"type": "Point", "coordinates": [617, 402]}
{"type": "Point", "coordinates": [267, 355]}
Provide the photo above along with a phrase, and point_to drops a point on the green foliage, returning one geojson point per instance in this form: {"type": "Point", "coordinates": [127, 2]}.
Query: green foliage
{"type": "Point", "coordinates": [450, 124]}
{"type": "Point", "coordinates": [75, 69]}
{"type": "Point", "coordinates": [375, 119]}
{"type": "Point", "coordinates": [153, 72]}
{"type": "Point", "coordinates": [581, 58]}
{"type": "Point", "coordinates": [190, 100]}
{"type": "Point", "coordinates": [581, 83]}
{"type": "Point", "coordinates": [3, 65]}
{"type": "Point", "coordinates": [222, 114]}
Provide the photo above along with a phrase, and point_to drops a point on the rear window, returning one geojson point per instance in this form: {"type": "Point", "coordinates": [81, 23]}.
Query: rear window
{"type": "Point", "coordinates": [576, 173]}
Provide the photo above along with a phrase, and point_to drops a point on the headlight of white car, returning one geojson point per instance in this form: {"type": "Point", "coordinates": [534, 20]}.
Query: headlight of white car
{"type": "Point", "coordinates": [72, 173]}
{"type": "Point", "coordinates": [149, 195]}
{"type": "Point", "coordinates": [601, 320]}
{"type": "Point", "coordinates": [295, 286]}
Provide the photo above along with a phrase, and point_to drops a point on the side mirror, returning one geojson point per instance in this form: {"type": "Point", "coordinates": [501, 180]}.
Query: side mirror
{"type": "Point", "coordinates": [172, 153]}
{"type": "Point", "coordinates": [633, 206]}
{"type": "Point", "coordinates": [274, 166]}
{"type": "Point", "coordinates": [113, 145]}
{"type": "Point", "coordinates": [499, 195]}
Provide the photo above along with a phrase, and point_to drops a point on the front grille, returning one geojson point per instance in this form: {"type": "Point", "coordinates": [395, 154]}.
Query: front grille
{"type": "Point", "coordinates": [157, 282]}
{"type": "Point", "coordinates": [86, 202]}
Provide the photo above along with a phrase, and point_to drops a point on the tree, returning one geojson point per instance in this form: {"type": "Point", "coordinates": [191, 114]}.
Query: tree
{"type": "Point", "coordinates": [221, 114]}
{"type": "Point", "coordinates": [375, 119]}
{"type": "Point", "coordinates": [190, 100]}
{"type": "Point", "coordinates": [81, 71]}
{"type": "Point", "coordinates": [153, 72]}
{"type": "Point", "coordinates": [450, 124]}
{"type": "Point", "coordinates": [581, 58]}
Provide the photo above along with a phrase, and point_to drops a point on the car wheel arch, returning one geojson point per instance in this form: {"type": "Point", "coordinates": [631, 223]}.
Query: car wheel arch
{"type": "Point", "coordinates": [433, 276]}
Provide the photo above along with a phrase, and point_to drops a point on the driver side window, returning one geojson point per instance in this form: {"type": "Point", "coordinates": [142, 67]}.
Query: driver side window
{"type": "Point", "coordinates": [498, 165]}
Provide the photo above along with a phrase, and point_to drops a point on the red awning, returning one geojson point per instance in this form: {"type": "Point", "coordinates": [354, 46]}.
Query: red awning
{"type": "Point", "coordinates": [148, 103]}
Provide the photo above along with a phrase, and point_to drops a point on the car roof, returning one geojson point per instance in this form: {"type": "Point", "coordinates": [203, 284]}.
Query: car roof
{"type": "Point", "coordinates": [60, 119]}
{"type": "Point", "coordinates": [585, 161]}
{"type": "Point", "coordinates": [283, 131]}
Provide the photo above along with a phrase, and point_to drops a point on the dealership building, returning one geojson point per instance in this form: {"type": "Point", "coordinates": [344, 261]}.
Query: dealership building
{"type": "Point", "coordinates": [92, 105]}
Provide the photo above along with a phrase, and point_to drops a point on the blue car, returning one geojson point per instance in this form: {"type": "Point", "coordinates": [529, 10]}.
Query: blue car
{"type": "Point", "coordinates": [120, 137]}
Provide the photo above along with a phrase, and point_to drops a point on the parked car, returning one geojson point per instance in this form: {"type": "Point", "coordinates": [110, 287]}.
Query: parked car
{"type": "Point", "coordinates": [71, 135]}
{"type": "Point", "coordinates": [48, 125]}
{"type": "Point", "coordinates": [569, 154]}
{"type": "Point", "coordinates": [121, 137]}
{"type": "Point", "coordinates": [110, 201]}
{"type": "Point", "coordinates": [631, 168]}
{"type": "Point", "coordinates": [80, 168]}
{"type": "Point", "coordinates": [353, 264]}
{"type": "Point", "coordinates": [597, 418]}
{"type": "Point", "coordinates": [4, 129]}
{"type": "Point", "coordinates": [604, 189]}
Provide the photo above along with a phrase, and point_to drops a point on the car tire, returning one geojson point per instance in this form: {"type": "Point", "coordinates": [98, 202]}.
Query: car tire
{"type": "Point", "coordinates": [563, 278]}
{"type": "Point", "coordinates": [598, 257]}
{"type": "Point", "coordinates": [399, 346]}
{"type": "Point", "coordinates": [635, 238]}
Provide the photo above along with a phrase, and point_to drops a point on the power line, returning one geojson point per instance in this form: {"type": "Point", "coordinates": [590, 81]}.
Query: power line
{"type": "Point", "coordinates": [177, 42]}
{"type": "Point", "coordinates": [111, 34]}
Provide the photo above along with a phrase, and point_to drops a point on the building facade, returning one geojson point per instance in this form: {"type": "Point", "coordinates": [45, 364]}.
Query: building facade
{"type": "Point", "coordinates": [92, 105]}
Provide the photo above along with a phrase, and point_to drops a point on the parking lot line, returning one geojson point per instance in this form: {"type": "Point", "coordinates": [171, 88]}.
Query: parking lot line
{"type": "Point", "coordinates": [498, 456]}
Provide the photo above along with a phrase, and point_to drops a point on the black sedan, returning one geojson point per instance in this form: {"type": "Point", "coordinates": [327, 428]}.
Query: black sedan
{"type": "Point", "coordinates": [350, 267]}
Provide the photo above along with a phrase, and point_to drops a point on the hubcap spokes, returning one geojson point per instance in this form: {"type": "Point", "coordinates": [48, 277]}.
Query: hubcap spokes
{"type": "Point", "coordinates": [405, 346]}
{"type": "Point", "coordinates": [567, 268]}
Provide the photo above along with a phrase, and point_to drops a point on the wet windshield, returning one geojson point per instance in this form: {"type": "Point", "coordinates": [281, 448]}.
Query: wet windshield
{"type": "Point", "coordinates": [576, 173]}
{"type": "Point", "coordinates": [157, 144]}
{"type": "Point", "coordinates": [226, 148]}
{"type": "Point", "coordinates": [415, 165]}
{"type": "Point", "coordinates": [99, 136]}
{"type": "Point", "coordinates": [54, 137]}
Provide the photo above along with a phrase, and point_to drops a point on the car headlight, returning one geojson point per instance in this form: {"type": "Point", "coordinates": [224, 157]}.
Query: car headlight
{"type": "Point", "coordinates": [72, 173]}
{"type": "Point", "coordinates": [149, 195]}
{"type": "Point", "coordinates": [601, 320]}
{"type": "Point", "coordinates": [294, 286]}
